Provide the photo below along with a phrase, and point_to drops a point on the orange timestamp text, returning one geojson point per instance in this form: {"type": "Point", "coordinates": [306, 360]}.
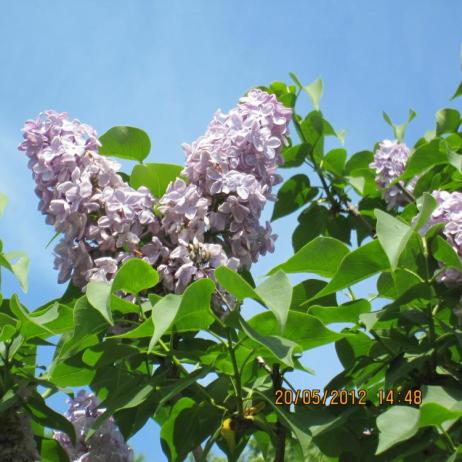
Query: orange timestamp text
{"type": "Point", "coordinates": [333, 397]}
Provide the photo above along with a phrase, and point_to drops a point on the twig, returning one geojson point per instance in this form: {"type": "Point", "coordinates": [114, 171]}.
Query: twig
{"type": "Point", "coordinates": [280, 429]}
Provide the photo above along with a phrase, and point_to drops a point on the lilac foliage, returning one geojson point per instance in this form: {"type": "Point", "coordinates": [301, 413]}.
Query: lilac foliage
{"type": "Point", "coordinates": [210, 221]}
{"type": "Point", "coordinates": [107, 443]}
{"type": "Point", "coordinates": [389, 163]}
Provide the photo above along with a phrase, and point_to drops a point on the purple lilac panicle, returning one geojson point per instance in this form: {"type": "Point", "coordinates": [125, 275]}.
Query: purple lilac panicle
{"type": "Point", "coordinates": [107, 444]}
{"type": "Point", "coordinates": [389, 163]}
{"type": "Point", "coordinates": [449, 213]}
{"type": "Point", "coordinates": [234, 163]}
{"type": "Point", "coordinates": [100, 217]}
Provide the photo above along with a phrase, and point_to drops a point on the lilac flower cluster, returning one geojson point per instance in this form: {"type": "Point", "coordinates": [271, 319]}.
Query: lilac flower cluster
{"type": "Point", "coordinates": [449, 212]}
{"type": "Point", "coordinates": [107, 444]}
{"type": "Point", "coordinates": [234, 165]}
{"type": "Point", "coordinates": [210, 221]}
{"type": "Point", "coordinates": [389, 163]}
{"type": "Point", "coordinates": [100, 218]}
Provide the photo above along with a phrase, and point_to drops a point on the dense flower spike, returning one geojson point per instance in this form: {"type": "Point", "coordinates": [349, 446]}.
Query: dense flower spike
{"type": "Point", "coordinates": [107, 444]}
{"type": "Point", "coordinates": [100, 218]}
{"type": "Point", "coordinates": [17, 442]}
{"type": "Point", "coordinates": [449, 212]}
{"type": "Point", "coordinates": [389, 163]}
{"type": "Point", "coordinates": [234, 164]}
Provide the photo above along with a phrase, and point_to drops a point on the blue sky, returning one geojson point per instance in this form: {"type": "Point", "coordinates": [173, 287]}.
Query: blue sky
{"type": "Point", "coordinates": [167, 66]}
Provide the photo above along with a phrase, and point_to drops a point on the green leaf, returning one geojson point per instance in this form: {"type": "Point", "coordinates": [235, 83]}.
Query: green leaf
{"type": "Point", "coordinates": [426, 156]}
{"type": "Point", "coordinates": [48, 417]}
{"type": "Point", "coordinates": [156, 177]}
{"type": "Point", "coordinates": [444, 252]}
{"type": "Point", "coordinates": [9, 399]}
{"type": "Point", "coordinates": [234, 283]}
{"type": "Point", "coordinates": [189, 312]}
{"type": "Point", "coordinates": [7, 332]}
{"type": "Point", "coordinates": [306, 291]}
{"type": "Point", "coordinates": [171, 392]}
{"type": "Point", "coordinates": [98, 294]}
{"type": "Point", "coordinates": [458, 92]}
{"type": "Point", "coordinates": [134, 276]}
{"type": "Point", "coordinates": [399, 130]}
{"type": "Point", "coordinates": [145, 329]}
{"type": "Point", "coordinates": [107, 353]}
{"type": "Point", "coordinates": [447, 121]}
{"type": "Point", "coordinates": [440, 404]}
{"type": "Point", "coordinates": [131, 394]}
{"type": "Point", "coordinates": [426, 204]}
{"type": "Point", "coordinates": [56, 317]}
{"type": "Point", "coordinates": [360, 264]}
{"type": "Point", "coordinates": [88, 322]}
{"type": "Point", "coordinates": [455, 159]}
{"type": "Point", "coordinates": [315, 91]}
{"type": "Point", "coordinates": [19, 265]}
{"type": "Point", "coordinates": [393, 235]}
{"type": "Point", "coordinates": [304, 330]}
{"type": "Point", "coordinates": [194, 312]}
{"type": "Point", "coordinates": [29, 327]}
{"type": "Point", "coordinates": [280, 347]}
{"type": "Point", "coordinates": [320, 256]}
{"type": "Point", "coordinates": [293, 194]}
{"type": "Point", "coordinates": [187, 426]}
{"type": "Point", "coordinates": [51, 451]}
{"type": "Point", "coordinates": [163, 316]}
{"type": "Point", "coordinates": [276, 293]}
{"type": "Point", "coordinates": [348, 312]}
{"type": "Point", "coordinates": [334, 161]}
{"type": "Point", "coordinates": [313, 222]}
{"type": "Point", "coordinates": [126, 143]}
{"type": "Point", "coordinates": [3, 204]}
{"type": "Point", "coordinates": [396, 424]}
{"type": "Point", "coordinates": [295, 155]}
{"type": "Point", "coordinates": [359, 161]}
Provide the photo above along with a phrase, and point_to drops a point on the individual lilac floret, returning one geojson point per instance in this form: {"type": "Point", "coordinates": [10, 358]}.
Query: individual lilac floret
{"type": "Point", "coordinates": [99, 216]}
{"type": "Point", "coordinates": [389, 163]}
{"type": "Point", "coordinates": [449, 213]}
{"type": "Point", "coordinates": [235, 164]}
{"type": "Point", "coordinates": [107, 444]}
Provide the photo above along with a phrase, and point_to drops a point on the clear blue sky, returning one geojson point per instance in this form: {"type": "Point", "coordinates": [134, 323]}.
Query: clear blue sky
{"type": "Point", "coordinates": [167, 66]}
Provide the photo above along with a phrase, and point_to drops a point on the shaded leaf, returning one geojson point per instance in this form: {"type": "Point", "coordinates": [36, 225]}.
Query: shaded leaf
{"type": "Point", "coordinates": [126, 143]}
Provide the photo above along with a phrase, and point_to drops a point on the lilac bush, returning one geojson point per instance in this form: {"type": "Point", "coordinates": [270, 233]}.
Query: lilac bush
{"type": "Point", "coordinates": [106, 444]}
